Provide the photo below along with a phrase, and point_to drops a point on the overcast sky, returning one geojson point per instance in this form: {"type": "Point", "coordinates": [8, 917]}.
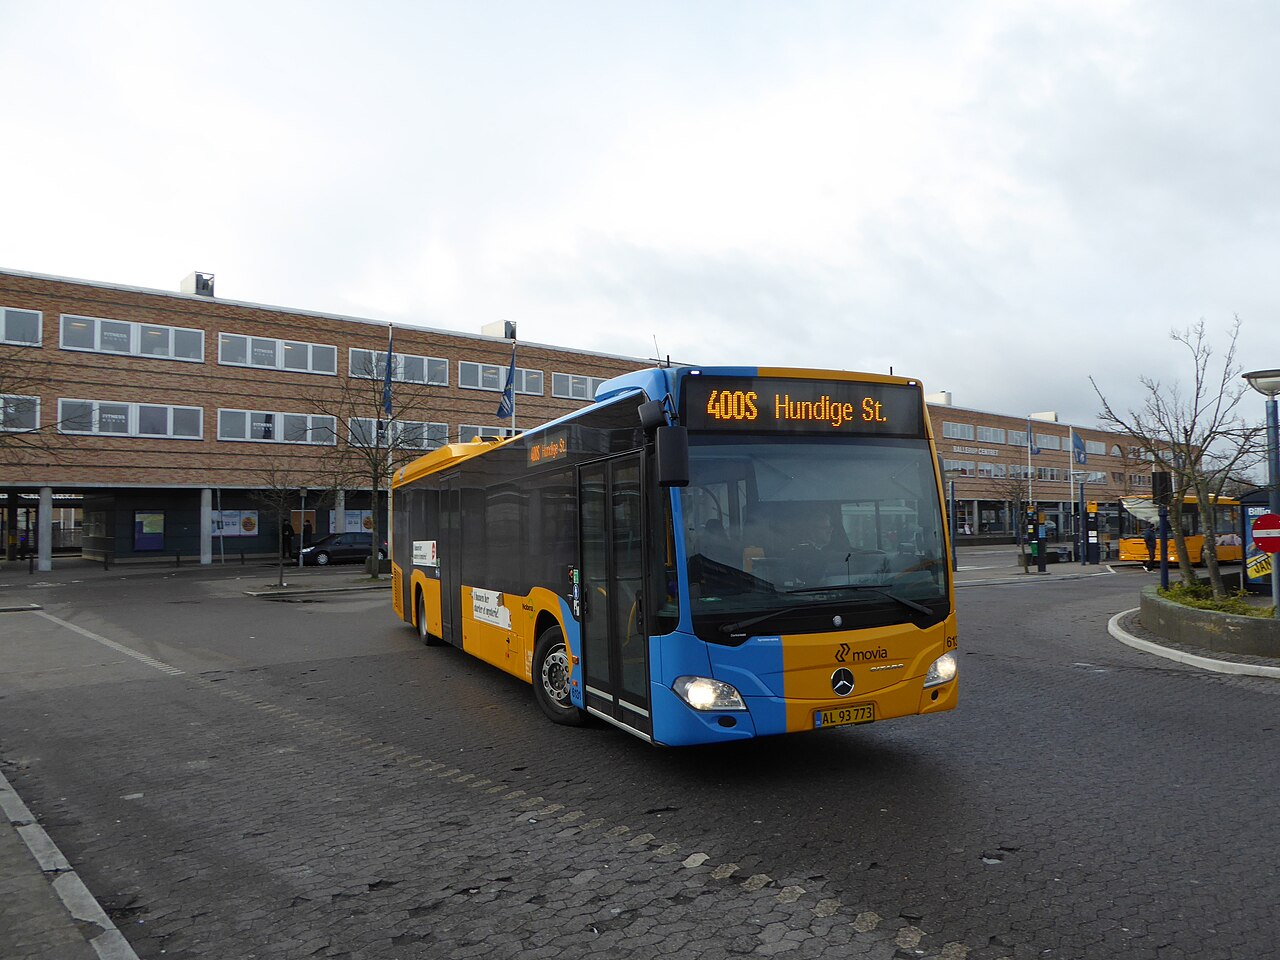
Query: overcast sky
{"type": "Point", "coordinates": [1001, 199]}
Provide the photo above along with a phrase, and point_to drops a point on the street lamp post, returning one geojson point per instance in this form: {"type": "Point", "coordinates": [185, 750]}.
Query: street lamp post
{"type": "Point", "coordinates": [1267, 383]}
{"type": "Point", "coordinates": [302, 523]}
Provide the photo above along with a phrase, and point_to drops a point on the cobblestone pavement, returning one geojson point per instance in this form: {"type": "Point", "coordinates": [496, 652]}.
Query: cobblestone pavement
{"type": "Point", "coordinates": [1085, 801]}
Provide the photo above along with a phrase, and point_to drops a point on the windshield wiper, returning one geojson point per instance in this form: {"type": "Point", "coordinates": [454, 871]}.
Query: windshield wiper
{"type": "Point", "coordinates": [752, 621]}
{"type": "Point", "coordinates": [873, 588]}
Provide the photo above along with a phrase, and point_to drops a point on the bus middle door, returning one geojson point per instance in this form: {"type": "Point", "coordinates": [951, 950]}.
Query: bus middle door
{"type": "Point", "coordinates": [615, 648]}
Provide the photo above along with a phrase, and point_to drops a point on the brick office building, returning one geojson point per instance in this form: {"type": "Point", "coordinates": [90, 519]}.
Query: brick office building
{"type": "Point", "coordinates": [990, 468]}
{"type": "Point", "coordinates": [164, 411]}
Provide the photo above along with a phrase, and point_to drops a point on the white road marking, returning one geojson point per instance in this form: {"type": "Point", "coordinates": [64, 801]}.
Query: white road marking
{"type": "Point", "coordinates": [118, 647]}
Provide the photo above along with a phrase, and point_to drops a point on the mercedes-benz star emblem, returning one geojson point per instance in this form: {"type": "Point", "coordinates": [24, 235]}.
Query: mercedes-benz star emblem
{"type": "Point", "coordinates": [842, 682]}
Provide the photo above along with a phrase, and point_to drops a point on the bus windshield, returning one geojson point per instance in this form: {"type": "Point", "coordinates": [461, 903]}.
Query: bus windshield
{"type": "Point", "coordinates": [788, 532]}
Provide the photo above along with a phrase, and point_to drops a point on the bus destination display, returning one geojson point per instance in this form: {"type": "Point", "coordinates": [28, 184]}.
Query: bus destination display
{"type": "Point", "coordinates": [801, 406]}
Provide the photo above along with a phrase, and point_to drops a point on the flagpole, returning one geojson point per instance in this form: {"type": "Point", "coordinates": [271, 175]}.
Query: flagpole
{"type": "Point", "coordinates": [1071, 469]}
{"type": "Point", "coordinates": [1029, 441]}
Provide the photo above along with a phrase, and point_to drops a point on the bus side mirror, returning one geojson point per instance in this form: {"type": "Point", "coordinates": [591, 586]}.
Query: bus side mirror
{"type": "Point", "coordinates": [671, 448]}
{"type": "Point", "coordinates": [653, 414]}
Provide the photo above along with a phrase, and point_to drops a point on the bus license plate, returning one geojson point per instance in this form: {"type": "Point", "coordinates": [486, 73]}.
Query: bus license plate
{"type": "Point", "coordinates": [843, 716]}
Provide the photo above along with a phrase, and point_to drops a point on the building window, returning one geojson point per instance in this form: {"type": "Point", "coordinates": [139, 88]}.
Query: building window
{"type": "Point", "coordinates": [957, 431]}
{"type": "Point", "coordinates": [1115, 450]}
{"type": "Point", "coordinates": [492, 376]}
{"type": "Point", "coordinates": [995, 471]}
{"type": "Point", "coordinates": [19, 413]}
{"type": "Point", "coordinates": [405, 368]}
{"type": "Point", "coordinates": [260, 426]}
{"type": "Point", "coordinates": [24, 328]}
{"type": "Point", "coordinates": [1048, 473]}
{"type": "Point", "coordinates": [1019, 471]}
{"type": "Point", "coordinates": [1096, 447]}
{"type": "Point", "coordinates": [469, 431]}
{"type": "Point", "coordinates": [571, 386]}
{"type": "Point", "coordinates": [294, 356]}
{"type": "Point", "coordinates": [116, 419]}
{"type": "Point", "coordinates": [1096, 476]}
{"type": "Point", "coordinates": [1048, 441]}
{"type": "Point", "coordinates": [1017, 438]}
{"type": "Point", "coordinates": [991, 434]}
{"type": "Point", "coordinates": [410, 434]}
{"type": "Point", "coordinates": [126, 338]}
{"type": "Point", "coordinates": [961, 468]}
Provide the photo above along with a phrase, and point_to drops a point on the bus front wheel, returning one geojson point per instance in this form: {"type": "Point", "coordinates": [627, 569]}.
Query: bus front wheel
{"type": "Point", "coordinates": [551, 669]}
{"type": "Point", "coordinates": [420, 608]}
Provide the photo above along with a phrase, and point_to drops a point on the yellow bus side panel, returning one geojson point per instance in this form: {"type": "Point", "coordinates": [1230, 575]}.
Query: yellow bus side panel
{"type": "Point", "coordinates": [430, 589]}
{"type": "Point", "coordinates": [397, 595]}
{"type": "Point", "coordinates": [495, 628]}
{"type": "Point", "coordinates": [499, 628]}
{"type": "Point", "coordinates": [888, 666]}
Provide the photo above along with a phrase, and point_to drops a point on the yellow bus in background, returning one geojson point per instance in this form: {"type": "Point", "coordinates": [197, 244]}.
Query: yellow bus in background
{"type": "Point", "coordinates": [1140, 511]}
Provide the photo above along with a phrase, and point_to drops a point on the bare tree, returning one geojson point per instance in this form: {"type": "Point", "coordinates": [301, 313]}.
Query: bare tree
{"type": "Point", "coordinates": [23, 438]}
{"type": "Point", "coordinates": [370, 446]}
{"type": "Point", "coordinates": [281, 481]}
{"type": "Point", "coordinates": [1013, 490]}
{"type": "Point", "coordinates": [1196, 434]}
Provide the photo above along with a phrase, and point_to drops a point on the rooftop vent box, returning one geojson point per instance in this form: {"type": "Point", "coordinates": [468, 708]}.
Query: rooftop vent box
{"type": "Point", "coordinates": [506, 329]}
{"type": "Point", "coordinates": [201, 284]}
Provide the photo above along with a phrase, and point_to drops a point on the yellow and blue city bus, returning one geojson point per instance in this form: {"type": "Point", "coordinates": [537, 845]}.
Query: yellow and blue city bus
{"type": "Point", "coordinates": [701, 555]}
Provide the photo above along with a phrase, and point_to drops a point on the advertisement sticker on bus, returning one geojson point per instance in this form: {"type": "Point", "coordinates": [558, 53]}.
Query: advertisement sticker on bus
{"type": "Point", "coordinates": [424, 554]}
{"type": "Point", "coordinates": [486, 606]}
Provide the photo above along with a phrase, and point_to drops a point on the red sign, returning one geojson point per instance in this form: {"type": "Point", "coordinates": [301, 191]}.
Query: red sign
{"type": "Point", "coordinates": [1266, 533]}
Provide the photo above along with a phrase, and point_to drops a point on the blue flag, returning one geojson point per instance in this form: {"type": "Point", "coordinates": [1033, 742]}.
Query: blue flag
{"type": "Point", "coordinates": [507, 406]}
{"type": "Point", "coordinates": [1031, 441]}
{"type": "Point", "coordinates": [1077, 449]}
{"type": "Point", "coordinates": [386, 376]}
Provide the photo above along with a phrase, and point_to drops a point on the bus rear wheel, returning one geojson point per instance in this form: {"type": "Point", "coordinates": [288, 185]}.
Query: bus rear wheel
{"type": "Point", "coordinates": [551, 669]}
{"type": "Point", "coordinates": [420, 610]}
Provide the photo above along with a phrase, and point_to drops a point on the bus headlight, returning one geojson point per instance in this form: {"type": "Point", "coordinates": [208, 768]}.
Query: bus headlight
{"type": "Point", "coordinates": [941, 670]}
{"type": "Point", "coordinates": [703, 693]}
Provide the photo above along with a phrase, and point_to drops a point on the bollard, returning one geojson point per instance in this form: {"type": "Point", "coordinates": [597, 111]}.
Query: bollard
{"type": "Point", "coordinates": [177, 559]}
{"type": "Point", "coordinates": [106, 564]}
{"type": "Point", "coordinates": [242, 558]}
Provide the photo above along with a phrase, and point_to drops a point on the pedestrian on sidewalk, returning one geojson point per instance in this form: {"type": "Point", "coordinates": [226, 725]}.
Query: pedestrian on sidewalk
{"type": "Point", "coordinates": [1149, 538]}
{"type": "Point", "coordinates": [286, 538]}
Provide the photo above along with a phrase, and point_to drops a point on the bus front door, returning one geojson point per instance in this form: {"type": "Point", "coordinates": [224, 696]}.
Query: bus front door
{"type": "Point", "coordinates": [615, 649]}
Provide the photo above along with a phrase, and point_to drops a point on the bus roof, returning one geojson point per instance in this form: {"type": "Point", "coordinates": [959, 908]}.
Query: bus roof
{"type": "Point", "coordinates": [654, 382]}
{"type": "Point", "coordinates": [446, 456]}
{"type": "Point", "coordinates": [1144, 508]}
{"type": "Point", "coordinates": [659, 381]}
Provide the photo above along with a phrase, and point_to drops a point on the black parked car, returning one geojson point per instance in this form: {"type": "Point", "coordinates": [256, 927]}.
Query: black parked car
{"type": "Point", "coordinates": [340, 548]}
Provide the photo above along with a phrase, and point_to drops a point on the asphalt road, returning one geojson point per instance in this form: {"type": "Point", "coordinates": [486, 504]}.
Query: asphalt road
{"type": "Point", "coordinates": [234, 777]}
